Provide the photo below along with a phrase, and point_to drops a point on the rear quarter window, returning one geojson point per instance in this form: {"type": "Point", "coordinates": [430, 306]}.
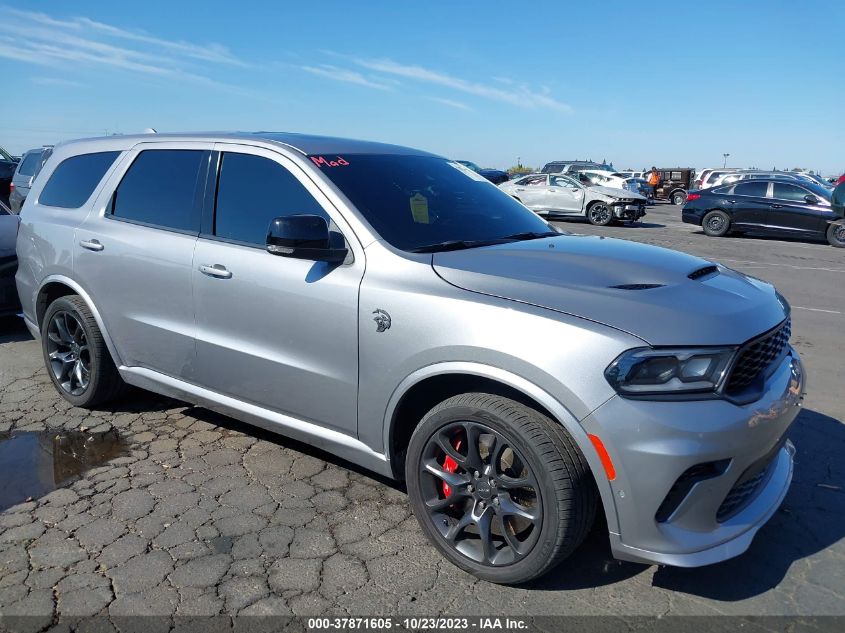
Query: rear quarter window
{"type": "Point", "coordinates": [29, 163]}
{"type": "Point", "coordinates": [75, 179]}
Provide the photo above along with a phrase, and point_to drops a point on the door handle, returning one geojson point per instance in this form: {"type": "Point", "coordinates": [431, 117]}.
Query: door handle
{"type": "Point", "coordinates": [776, 206]}
{"type": "Point", "coordinates": [92, 245]}
{"type": "Point", "coordinates": [732, 201]}
{"type": "Point", "coordinates": [217, 270]}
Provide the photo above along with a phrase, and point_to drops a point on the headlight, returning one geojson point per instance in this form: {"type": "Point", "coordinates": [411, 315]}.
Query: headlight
{"type": "Point", "coordinates": [646, 371]}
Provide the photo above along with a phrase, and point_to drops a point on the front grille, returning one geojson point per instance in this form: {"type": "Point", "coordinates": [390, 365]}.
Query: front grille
{"type": "Point", "coordinates": [756, 357]}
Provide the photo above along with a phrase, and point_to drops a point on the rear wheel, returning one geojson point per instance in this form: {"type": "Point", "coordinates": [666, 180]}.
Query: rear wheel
{"type": "Point", "coordinates": [75, 354]}
{"type": "Point", "coordinates": [836, 235]}
{"type": "Point", "coordinates": [501, 490]}
{"type": "Point", "coordinates": [716, 223]}
{"type": "Point", "coordinates": [599, 214]}
{"type": "Point", "coordinates": [678, 198]}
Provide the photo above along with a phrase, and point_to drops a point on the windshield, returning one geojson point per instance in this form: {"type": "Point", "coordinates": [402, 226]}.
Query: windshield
{"type": "Point", "coordinates": [470, 164]}
{"type": "Point", "coordinates": [418, 201]}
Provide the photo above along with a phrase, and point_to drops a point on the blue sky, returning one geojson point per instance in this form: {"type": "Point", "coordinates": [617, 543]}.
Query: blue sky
{"type": "Point", "coordinates": [664, 83]}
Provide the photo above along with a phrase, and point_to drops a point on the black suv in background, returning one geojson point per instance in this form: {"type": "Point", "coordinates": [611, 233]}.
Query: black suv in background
{"type": "Point", "coordinates": [675, 182]}
{"type": "Point", "coordinates": [772, 207]}
{"type": "Point", "coordinates": [8, 165]}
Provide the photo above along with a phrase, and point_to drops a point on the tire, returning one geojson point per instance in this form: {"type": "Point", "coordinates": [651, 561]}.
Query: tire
{"type": "Point", "coordinates": [836, 235]}
{"type": "Point", "coordinates": [679, 198]}
{"type": "Point", "coordinates": [599, 213]}
{"type": "Point", "coordinates": [65, 348]}
{"type": "Point", "coordinates": [716, 223]}
{"type": "Point", "coordinates": [557, 497]}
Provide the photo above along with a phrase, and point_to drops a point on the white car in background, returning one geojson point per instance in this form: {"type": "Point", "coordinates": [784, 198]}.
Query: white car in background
{"type": "Point", "coordinates": [605, 178]}
{"type": "Point", "coordinates": [556, 195]}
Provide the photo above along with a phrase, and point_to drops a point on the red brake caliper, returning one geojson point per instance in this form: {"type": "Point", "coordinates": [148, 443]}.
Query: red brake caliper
{"type": "Point", "coordinates": [450, 466]}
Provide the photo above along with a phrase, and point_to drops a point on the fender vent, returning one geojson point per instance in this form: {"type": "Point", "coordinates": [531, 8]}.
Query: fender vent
{"type": "Point", "coordinates": [637, 286]}
{"type": "Point", "coordinates": [703, 272]}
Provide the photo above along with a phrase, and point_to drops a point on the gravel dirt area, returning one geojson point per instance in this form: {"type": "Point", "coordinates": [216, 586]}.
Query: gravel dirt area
{"type": "Point", "coordinates": [202, 515]}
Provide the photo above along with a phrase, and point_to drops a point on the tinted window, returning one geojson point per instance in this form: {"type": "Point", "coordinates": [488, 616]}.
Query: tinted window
{"type": "Point", "coordinates": [756, 189]}
{"type": "Point", "coordinates": [29, 163]}
{"type": "Point", "coordinates": [251, 192]}
{"type": "Point", "coordinates": [788, 192]}
{"type": "Point", "coordinates": [159, 189]}
{"type": "Point", "coordinates": [75, 179]}
{"type": "Point", "coordinates": [416, 201]}
{"type": "Point", "coordinates": [560, 181]}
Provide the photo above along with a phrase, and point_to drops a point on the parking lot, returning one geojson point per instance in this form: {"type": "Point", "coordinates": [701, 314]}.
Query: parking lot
{"type": "Point", "coordinates": [202, 515]}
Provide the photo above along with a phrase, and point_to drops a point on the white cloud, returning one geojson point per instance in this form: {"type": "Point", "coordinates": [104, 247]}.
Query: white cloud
{"type": "Point", "coordinates": [521, 95]}
{"type": "Point", "coordinates": [55, 81]}
{"type": "Point", "coordinates": [81, 43]}
{"type": "Point", "coordinates": [451, 103]}
{"type": "Point", "coordinates": [342, 74]}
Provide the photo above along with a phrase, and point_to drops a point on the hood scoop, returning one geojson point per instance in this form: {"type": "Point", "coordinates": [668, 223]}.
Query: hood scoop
{"type": "Point", "coordinates": [637, 286]}
{"type": "Point", "coordinates": [704, 272]}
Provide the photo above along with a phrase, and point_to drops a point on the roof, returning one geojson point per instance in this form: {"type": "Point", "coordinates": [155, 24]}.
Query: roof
{"type": "Point", "coordinates": [303, 143]}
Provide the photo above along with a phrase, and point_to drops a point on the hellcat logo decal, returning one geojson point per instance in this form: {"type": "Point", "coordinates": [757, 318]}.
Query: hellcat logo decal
{"type": "Point", "coordinates": [382, 320]}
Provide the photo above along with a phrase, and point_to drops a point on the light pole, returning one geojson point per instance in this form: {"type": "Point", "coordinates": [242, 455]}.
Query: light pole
{"type": "Point", "coordinates": [725, 164]}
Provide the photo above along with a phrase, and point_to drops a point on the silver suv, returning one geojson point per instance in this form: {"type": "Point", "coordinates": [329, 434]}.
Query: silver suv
{"type": "Point", "coordinates": [396, 309]}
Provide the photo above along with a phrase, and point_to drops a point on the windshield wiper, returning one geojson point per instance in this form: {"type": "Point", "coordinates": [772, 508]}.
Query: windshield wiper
{"type": "Point", "coordinates": [531, 235]}
{"type": "Point", "coordinates": [455, 245]}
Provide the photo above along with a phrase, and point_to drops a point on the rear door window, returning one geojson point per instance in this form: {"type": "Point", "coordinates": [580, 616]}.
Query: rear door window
{"type": "Point", "coordinates": [75, 179]}
{"type": "Point", "coordinates": [160, 189]}
{"type": "Point", "coordinates": [756, 189]}
{"type": "Point", "coordinates": [252, 190]}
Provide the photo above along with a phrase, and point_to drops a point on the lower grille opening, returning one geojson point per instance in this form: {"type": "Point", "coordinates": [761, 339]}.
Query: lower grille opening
{"type": "Point", "coordinates": [682, 486]}
{"type": "Point", "coordinates": [748, 484]}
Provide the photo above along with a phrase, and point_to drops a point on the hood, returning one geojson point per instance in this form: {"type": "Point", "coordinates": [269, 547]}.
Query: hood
{"type": "Point", "coordinates": [687, 301]}
{"type": "Point", "coordinates": [616, 193]}
{"type": "Point", "coordinates": [8, 234]}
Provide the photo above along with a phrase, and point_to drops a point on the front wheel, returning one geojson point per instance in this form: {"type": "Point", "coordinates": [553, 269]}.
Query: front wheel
{"type": "Point", "coordinates": [75, 354]}
{"type": "Point", "coordinates": [502, 491]}
{"type": "Point", "coordinates": [678, 198]}
{"type": "Point", "coordinates": [836, 235]}
{"type": "Point", "coordinates": [599, 214]}
{"type": "Point", "coordinates": [716, 224]}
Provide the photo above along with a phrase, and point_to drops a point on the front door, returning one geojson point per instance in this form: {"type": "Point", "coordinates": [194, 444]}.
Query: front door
{"type": "Point", "coordinates": [565, 196]}
{"type": "Point", "coordinates": [790, 213]}
{"type": "Point", "coordinates": [277, 332]}
{"type": "Point", "coordinates": [135, 251]}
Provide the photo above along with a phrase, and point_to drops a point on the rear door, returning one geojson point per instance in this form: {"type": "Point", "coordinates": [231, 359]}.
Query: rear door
{"type": "Point", "coordinates": [790, 213]}
{"type": "Point", "coordinates": [747, 204]}
{"type": "Point", "coordinates": [134, 252]}
{"type": "Point", "coordinates": [533, 192]}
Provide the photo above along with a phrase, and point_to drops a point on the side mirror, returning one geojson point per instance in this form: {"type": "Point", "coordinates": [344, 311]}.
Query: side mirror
{"type": "Point", "coordinates": [811, 199]}
{"type": "Point", "coordinates": [303, 237]}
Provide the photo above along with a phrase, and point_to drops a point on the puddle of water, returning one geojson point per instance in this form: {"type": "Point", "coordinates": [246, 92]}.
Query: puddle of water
{"type": "Point", "coordinates": [33, 464]}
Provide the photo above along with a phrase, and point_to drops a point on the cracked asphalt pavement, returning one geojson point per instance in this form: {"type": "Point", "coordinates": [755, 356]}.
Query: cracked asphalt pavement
{"type": "Point", "coordinates": [202, 515]}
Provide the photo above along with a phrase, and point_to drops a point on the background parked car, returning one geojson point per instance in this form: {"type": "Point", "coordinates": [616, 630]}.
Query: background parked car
{"type": "Point", "coordinates": [707, 177]}
{"type": "Point", "coordinates": [495, 176]}
{"type": "Point", "coordinates": [9, 303]}
{"type": "Point", "coordinates": [675, 182]}
{"type": "Point", "coordinates": [773, 206]}
{"type": "Point", "coordinates": [756, 174]}
{"type": "Point", "coordinates": [555, 195]}
{"type": "Point", "coordinates": [568, 166]}
{"type": "Point", "coordinates": [28, 168]}
{"type": "Point", "coordinates": [8, 164]}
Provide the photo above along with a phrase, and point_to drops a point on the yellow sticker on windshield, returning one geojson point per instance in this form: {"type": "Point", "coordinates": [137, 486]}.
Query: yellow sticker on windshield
{"type": "Point", "coordinates": [419, 208]}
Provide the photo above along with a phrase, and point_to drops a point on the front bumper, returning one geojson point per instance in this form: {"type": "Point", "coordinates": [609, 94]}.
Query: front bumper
{"type": "Point", "coordinates": [655, 444]}
{"type": "Point", "coordinates": [628, 210]}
